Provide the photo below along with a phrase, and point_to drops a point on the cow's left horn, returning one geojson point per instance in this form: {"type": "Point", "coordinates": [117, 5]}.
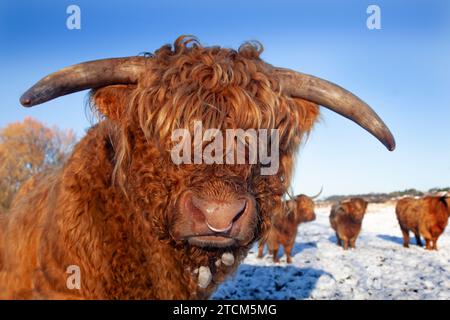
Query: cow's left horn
{"type": "Point", "coordinates": [87, 75]}
{"type": "Point", "coordinates": [335, 98]}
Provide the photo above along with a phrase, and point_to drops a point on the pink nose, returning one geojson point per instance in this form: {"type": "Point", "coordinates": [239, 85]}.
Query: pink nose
{"type": "Point", "coordinates": [219, 216]}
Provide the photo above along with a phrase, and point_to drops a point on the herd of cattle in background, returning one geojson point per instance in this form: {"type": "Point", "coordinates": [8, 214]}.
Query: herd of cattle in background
{"type": "Point", "coordinates": [426, 217]}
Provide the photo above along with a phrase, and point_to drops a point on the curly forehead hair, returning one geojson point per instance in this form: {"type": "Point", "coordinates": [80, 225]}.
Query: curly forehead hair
{"type": "Point", "coordinates": [223, 88]}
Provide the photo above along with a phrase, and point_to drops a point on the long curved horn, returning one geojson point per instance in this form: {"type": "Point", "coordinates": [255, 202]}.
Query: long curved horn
{"type": "Point", "coordinates": [87, 75]}
{"type": "Point", "coordinates": [335, 98]}
{"type": "Point", "coordinates": [318, 194]}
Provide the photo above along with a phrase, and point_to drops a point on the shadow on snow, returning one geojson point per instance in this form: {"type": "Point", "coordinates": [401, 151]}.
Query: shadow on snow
{"type": "Point", "coordinates": [269, 282]}
{"type": "Point", "coordinates": [398, 240]}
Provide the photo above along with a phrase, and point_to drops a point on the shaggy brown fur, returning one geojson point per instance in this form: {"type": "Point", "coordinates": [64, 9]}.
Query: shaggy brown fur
{"type": "Point", "coordinates": [112, 208]}
{"type": "Point", "coordinates": [425, 217]}
{"type": "Point", "coordinates": [285, 224]}
{"type": "Point", "coordinates": [346, 218]}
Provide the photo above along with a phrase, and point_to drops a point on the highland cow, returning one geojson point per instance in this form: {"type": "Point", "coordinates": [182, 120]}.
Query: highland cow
{"type": "Point", "coordinates": [284, 225]}
{"type": "Point", "coordinates": [135, 224]}
{"type": "Point", "coordinates": [346, 219]}
{"type": "Point", "coordinates": [426, 217]}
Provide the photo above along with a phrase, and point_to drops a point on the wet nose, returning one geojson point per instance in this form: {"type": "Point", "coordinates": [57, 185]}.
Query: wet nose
{"type": "Point", "coordinates": [219, 215]}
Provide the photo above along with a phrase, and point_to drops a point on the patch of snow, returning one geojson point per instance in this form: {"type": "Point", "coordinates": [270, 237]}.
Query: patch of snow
{"type": "Point", "coordinates": [379, 267]}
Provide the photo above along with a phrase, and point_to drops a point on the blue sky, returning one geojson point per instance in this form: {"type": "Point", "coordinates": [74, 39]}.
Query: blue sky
{"type": "Point", "coordinates": [402, 71]}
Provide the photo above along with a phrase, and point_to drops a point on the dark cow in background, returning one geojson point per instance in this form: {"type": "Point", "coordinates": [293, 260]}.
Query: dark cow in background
{"type": "Point", "coordinates": [426, 217]}
{"type": "Point", "coordinates": [284, 226]}
{"type": "Point", "coordinates": [346, 219]}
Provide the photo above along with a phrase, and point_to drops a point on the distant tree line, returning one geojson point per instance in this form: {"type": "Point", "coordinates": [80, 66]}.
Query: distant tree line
{"type": "Point", "coordinates": [383, 197]}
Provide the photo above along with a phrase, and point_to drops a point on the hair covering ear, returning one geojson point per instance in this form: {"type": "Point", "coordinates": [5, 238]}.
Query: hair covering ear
{"type": "Point", "coordinates": [111, 101]}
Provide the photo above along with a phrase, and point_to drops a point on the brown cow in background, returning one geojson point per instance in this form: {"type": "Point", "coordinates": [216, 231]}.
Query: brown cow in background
{"type": "Point", "coordinates": [346, 218]}
{"type": "Point", "coordinates": [425, 217]}
{"type": "Point", "coordinates": [284, 226]}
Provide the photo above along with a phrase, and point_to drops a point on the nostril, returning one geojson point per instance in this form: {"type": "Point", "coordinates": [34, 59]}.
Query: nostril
{"type": "Point", "coordinates": [195, 211]}
{"type": "Point", "coordinates": [240, 212]}
{"type": "Point", "coordinates": [218, 215]}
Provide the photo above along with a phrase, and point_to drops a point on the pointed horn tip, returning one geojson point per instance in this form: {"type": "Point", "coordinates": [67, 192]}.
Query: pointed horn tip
{"type": "Point", "coordinates": [391, 147]}
{"type": "Point", "coordinates": [389, 143]}
{"type": "Point", "coordinates": [28, 99]}
{"type": "Point", "coordinates": [25, 101]}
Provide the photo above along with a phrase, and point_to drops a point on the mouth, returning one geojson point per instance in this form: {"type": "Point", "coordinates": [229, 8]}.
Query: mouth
{"type": "Point", "coordinates": [211, 241]}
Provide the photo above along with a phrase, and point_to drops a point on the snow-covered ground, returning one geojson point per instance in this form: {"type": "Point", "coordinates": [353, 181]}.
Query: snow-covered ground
{"type": "Point", "coordinates": [379, 267]}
